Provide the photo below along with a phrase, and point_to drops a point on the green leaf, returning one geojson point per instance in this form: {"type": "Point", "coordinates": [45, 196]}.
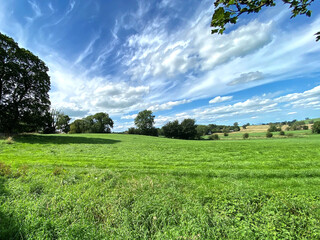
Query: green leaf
{"type": "Point", "coordinates": [308, 13]}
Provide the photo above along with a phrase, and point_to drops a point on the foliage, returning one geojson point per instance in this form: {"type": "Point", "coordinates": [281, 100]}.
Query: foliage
{"type": "Point", "coordinates": [202, 130]}
{"type": "Point", "coordinates": [225, 134]}
{"type": "Point", "coordinates": [133, 130]}
{"type": "Point", "coordinates": [213, 128]}
{"type": "Point", "coordinates": [49, 123]}
{"type": "Point", "coordinates": [188, 129]}
{"type": "Point", "coordinates": [236, 127]}
{"type": "Point", "coordinates": [144, 123]}
{"type": "Point", "coordinates": [228, 12]}
{"type": "Point", "coordinates": [172, 129]}
{"type": "Point", "coordinates": [97, 123]}
{"type": "Point", "coordinates": [274, 128]}
{"type": "Point", "coordinates": [282, 133]}
{"type": "Point", "coordinates": [24, 87]}
{"type": "Point", "coordinates": [245, 125]}
{"type": "Point", "coordinates": [316, 127]}
{"type": "Point", "coordinates": [62, 122]}
{"type": "Point", "coordinates": [214, 137]}
{"type": "Point", "coordinates": [297, 125]}
{"type": "Point", "coordinates": [269, 135]}
{"type": "Point", "coordinates": [245, 135]}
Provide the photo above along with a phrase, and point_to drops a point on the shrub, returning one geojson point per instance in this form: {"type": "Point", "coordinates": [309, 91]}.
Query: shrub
{"type": "Point", "coordinates": [305, 127]}
{"type": "Point", "coordinates": [225, 134]}
{"type": "Point", "coordinates": [214, 137]}
{"type": "Point", "coordinates": [245, 136]}
{"type": "Point", "coordinates": [316, 127]}
{"type": "Point", "coordinates": [282, 133]}
{"type": "Point", "coordinates": [274, 128]}
{"type": "Point", "coordinates": [269, 135]}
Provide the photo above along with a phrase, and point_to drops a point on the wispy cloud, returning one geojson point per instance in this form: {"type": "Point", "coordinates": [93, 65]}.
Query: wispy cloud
{"type": "Point", "coordinates": [220, 99]}
{"type": "Point", "coordinates": [36, 9]}
{"type": "Point", "coordinates": [247, 77]}
{"type": "Point", "coordinates": [167, 105]}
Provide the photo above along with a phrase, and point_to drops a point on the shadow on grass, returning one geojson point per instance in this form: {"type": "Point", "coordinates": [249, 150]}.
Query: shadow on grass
{"type": "Point", "coordinates": [9, 228]}
{"type": "Point", "coordinates": [62, 139]}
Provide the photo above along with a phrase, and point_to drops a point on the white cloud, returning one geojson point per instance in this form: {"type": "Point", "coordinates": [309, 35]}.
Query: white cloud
{"type": "Point", "coordinates": [190, 60]}
{"type": "Point", "coordinates": [167, 105]}
{"type": "Point", "coordinates": [133, 116]}
{"type": "Point", "coordinates": [255, 107]}
{"type": "Point", "coordinates": [157, 53]}
{"type": "Point", "coordinates": [220, 99]}
{"type": "Point", "coordinates": [82, 94]}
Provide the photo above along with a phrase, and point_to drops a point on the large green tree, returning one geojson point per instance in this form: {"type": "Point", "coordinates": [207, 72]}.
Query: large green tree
{"type": "Point", "coordinates": [188, 129]}
{"type": "Point", "coordinates": [144, 122]}
{"type": "Point", "coordinates": [24, 87]}
{"type": "Point", "coordinates": [63, 122]}
{"type": "Point", "coordinates": [228, 11]}
{"type": "Point", "coordinates": [172, 129]}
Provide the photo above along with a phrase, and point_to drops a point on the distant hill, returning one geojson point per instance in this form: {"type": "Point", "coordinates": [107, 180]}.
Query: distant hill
{"type": "Point", "coordinates": [264, 128]}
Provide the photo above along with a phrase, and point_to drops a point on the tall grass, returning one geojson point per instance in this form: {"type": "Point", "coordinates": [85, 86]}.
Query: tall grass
{"type": "Point", "coordinates": [135, 187]}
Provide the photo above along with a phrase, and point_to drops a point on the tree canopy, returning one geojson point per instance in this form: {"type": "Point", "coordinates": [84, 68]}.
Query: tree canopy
{"type": "Point", "coordinates": [228, 11]}
{"type": "Point", "coordinates": [144, 122]}
{"type": "Point", "coordinates": [24, 87]}
{"type": "Point", "coordinates": [184, 130]}
{"type": "Point", "coordinates": [97, 123]}
{"type": "Point", "coordinates": [63, 122]}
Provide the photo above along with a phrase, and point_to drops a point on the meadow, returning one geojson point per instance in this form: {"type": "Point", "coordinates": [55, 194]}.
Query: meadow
{"type": "Point", "coordinates": [116, 186]}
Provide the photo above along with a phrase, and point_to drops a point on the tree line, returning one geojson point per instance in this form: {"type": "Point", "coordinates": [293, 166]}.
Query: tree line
{"type": "Point", "coordinates": [186, 129]}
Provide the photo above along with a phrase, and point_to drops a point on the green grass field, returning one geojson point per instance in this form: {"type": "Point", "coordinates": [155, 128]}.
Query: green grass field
{"type": "Point", "coordinates": [112, 186]}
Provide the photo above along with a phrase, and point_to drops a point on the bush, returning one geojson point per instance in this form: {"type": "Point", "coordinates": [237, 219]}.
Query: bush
{"type": "Point", "coordinates": [274, 128]}
{"type": "Point", "coordinates": [214, 137]}
{"type": "Point", "coordinates": [269, 135]}
{"type": "Point", "coordinates": [305, 127]}
{"type": "Point", "coordinates": [316, 127]}
{"type": "Point", "coordinates": [282, 133]}
{"type": "Point", "coordinates": [225, 134]}
{"type": "Point", "coordinates": [245, 136]}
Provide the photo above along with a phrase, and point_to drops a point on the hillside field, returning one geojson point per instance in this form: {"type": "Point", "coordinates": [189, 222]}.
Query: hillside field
{"type": "Point", "coordinates": [114, 186]}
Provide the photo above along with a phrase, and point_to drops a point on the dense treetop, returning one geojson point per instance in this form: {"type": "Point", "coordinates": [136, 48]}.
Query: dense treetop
{"type": "Point", "coordinates": [24, 87]}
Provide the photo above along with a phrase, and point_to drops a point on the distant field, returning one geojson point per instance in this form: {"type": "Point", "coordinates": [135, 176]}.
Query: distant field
{"type": "Point", "coordinates": [109, 186]}
{"type": "Point", "coordinates": [262, 135]}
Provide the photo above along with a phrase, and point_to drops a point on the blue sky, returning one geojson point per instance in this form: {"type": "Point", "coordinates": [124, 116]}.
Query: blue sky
{"type": "Point", "coordinates": [122, 57]}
